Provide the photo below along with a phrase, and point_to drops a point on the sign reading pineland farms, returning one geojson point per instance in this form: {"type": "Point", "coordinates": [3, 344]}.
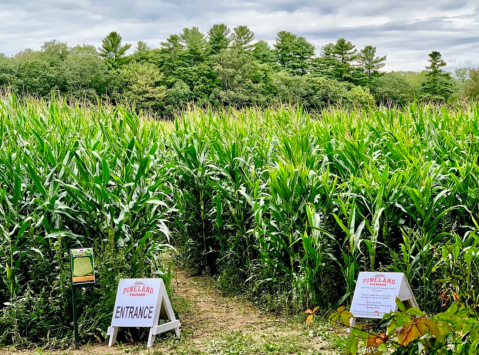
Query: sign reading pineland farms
{"type": "Point", "coordinates": [138, 304]}
{"type": "Point", "coordinates": [375, 294]}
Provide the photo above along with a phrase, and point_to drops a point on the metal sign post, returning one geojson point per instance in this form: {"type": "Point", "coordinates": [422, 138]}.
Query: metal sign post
{"type": "Point", "coordinates": [83, 275]}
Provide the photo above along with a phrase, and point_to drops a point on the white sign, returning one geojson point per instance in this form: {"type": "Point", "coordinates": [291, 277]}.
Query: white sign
{"type": "Point", "coordinates": [375, 294]}
{"type": "Point", "coordinates": [138, 304]}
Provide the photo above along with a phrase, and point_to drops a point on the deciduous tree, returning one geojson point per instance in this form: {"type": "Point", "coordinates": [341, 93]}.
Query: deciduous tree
{"type": "Point", "coordinates": [142, 85]}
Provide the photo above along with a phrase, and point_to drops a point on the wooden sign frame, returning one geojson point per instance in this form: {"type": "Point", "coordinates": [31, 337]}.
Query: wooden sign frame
{"type": "Point", "coordinates": [163, 306]}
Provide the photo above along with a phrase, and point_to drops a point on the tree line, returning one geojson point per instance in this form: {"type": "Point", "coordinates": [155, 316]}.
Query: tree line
{"type": "Point", "coordinates": [227, 67]}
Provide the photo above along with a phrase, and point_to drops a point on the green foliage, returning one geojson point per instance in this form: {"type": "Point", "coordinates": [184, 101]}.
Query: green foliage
{"type": "Point", "coordinates": [411, 331]}
{"type": "Point", "coordinates": [344, 51]}
{"type": "Point", "coordinates": [83, 73]}
{"type": "Point", "coordinates": [206, 63]}
{"type": "Point", "coordinates": [178, 96]}
{"type": "Point", "coordinates": [438, 83]}
{"type": "Point", "coordinates": [72, 177]}
{"type": "Point", "coordinates": [392, 89]}
{"type": "Point", "coordinates": [194, 43]}
{"type": "Point", "coordinates": [338, 61]}
{"type": "Point", "coordinates": [218, 38]}
{"type": "Point", "coordinates": [293, 53]}
{"type": "Point", "coordinates": [55, 52]}
{"type": "Point", "coordinates": [263, 53]}
{"type": "Point", "coordinates": [241, 39]}
{"type": "Point", "coordinates": [316, 93]}
{"type": "Point", "coordinates": [471, 85]}
{"type": "Point", "coordinates": [35, 76]}
{"type": "Point", "coordinates": [113, 51]}
{"type": "Point", "coordinates": [283, 205]}
{"type": "Point", "coordinates": [141, 85]}
{"type": "Point", "coordinates": [369, 61]}
{"type": "Point", "coordinates": [142, 53]}
{"type": "Point", "coordinates": [8, 72]}
{"type": "Point", "coordinates": [242, 78]}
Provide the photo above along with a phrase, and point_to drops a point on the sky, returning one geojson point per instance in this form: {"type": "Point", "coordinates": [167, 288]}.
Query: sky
{"type": "Point", "coordinates": [406, 31]}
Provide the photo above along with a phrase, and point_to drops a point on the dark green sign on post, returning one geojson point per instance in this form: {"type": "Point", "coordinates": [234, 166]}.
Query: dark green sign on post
{"type": "Point", "coordinates": [83, 275]}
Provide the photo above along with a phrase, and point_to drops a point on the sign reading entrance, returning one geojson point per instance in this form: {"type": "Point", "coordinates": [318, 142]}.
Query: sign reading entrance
{"type": "Point", "coordinates": [139, 303]}
{"type": "Point", "coordinates": [376, 293]}
{"type": "Point", "coordinates": [82, 266]}
{"type": "Point", "coordinates": [136, 303]}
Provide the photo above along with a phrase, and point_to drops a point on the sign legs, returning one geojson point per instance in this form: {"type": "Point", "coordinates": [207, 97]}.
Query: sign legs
{"type": "Point", "coordinates": [163, 328]}
{"type": "Point", "coordinates": [112, 332]}
{"type": "Point", "coordinates": [352, 324]}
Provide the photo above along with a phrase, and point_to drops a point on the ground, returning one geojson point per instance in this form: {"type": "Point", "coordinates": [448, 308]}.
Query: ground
{"type": "Point", "coordinates": [213, 323]}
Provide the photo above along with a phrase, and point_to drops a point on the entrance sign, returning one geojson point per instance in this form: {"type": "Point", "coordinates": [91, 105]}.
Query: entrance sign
{"type": "Point", "coordinates": [375, 294]}
{"type": "Point", "coordinates": [139, 303]}
{"type": "Point", "coordinates": [82, 266]}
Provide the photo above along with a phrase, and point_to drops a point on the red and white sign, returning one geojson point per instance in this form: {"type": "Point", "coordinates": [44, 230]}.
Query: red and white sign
{"type": "Point", "coordinates": [138, 304]}
{"type": "Point", "coordinates": [376, 293]}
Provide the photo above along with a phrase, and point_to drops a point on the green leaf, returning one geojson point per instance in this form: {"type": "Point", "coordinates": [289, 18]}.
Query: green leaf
{"type": "Point", "coordinates": [352, 345]}
{"type": "Point", "coordinates": [36, 180]}
{"type": "Point", "coordinates": [105, 173]}
{"type": "Point", "coordinates": [18, 185]}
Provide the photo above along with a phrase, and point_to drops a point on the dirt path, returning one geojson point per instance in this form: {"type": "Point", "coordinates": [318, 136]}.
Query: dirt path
{"type": "Point", "coordinates": [216, 324]}
{"type": "Point", "coordinates": [215, 314]}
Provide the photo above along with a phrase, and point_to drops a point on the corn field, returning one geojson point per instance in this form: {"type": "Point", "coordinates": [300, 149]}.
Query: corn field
{"type": "Point", "coordinates": [281, 205]}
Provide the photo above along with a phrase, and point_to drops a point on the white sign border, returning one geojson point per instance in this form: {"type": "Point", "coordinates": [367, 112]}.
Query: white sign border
{"type": "Point", "coordinates": [156, 329]}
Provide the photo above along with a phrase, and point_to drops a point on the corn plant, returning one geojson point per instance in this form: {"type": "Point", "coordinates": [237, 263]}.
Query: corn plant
{"type": "Point", "coordinates": [280, 204]}
{"type": "Point", "coordinates": [75, 177]}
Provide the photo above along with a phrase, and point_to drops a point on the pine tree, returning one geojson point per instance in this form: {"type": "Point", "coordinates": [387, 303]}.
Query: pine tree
{"type": "Point", "coordinates": [438, 83]}
{"type": "Point", "coordinates": [242, 37]}
{"type": "Point", "coordinates": [142, 53]}
{"type": "Point", "coordinates": [263, 53]}
{"type": "Point", "coordinates": [218, 38]}
{"type": "Point", "coordinates": [293, 53]}
{"type": "Point", "coordinates": [368, 60]}
{"type": "Point", "coordinates": [172, 56]}
{"type": "Point", "coordinates": [345, 51]}
{"type": "Point", "coordinates": [283, 48]}
{"type": "Point", "coordinates": [302, 52]}
{"type": "Point", "coordinates": [195, 44]}
{"type": "Point", "coordinates": [113, 51]}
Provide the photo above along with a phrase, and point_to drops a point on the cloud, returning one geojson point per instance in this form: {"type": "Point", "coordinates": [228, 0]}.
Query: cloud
{"type": "Point", "coordinates": [405, 31]}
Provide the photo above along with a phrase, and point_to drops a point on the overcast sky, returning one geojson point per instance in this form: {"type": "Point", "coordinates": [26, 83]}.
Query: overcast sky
{"type": "Point", "coordinates": [406, 31]}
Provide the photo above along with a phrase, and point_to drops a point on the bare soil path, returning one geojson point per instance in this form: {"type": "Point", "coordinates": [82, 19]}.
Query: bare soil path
{"type": "Point", "coordinates": [213, 323]}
